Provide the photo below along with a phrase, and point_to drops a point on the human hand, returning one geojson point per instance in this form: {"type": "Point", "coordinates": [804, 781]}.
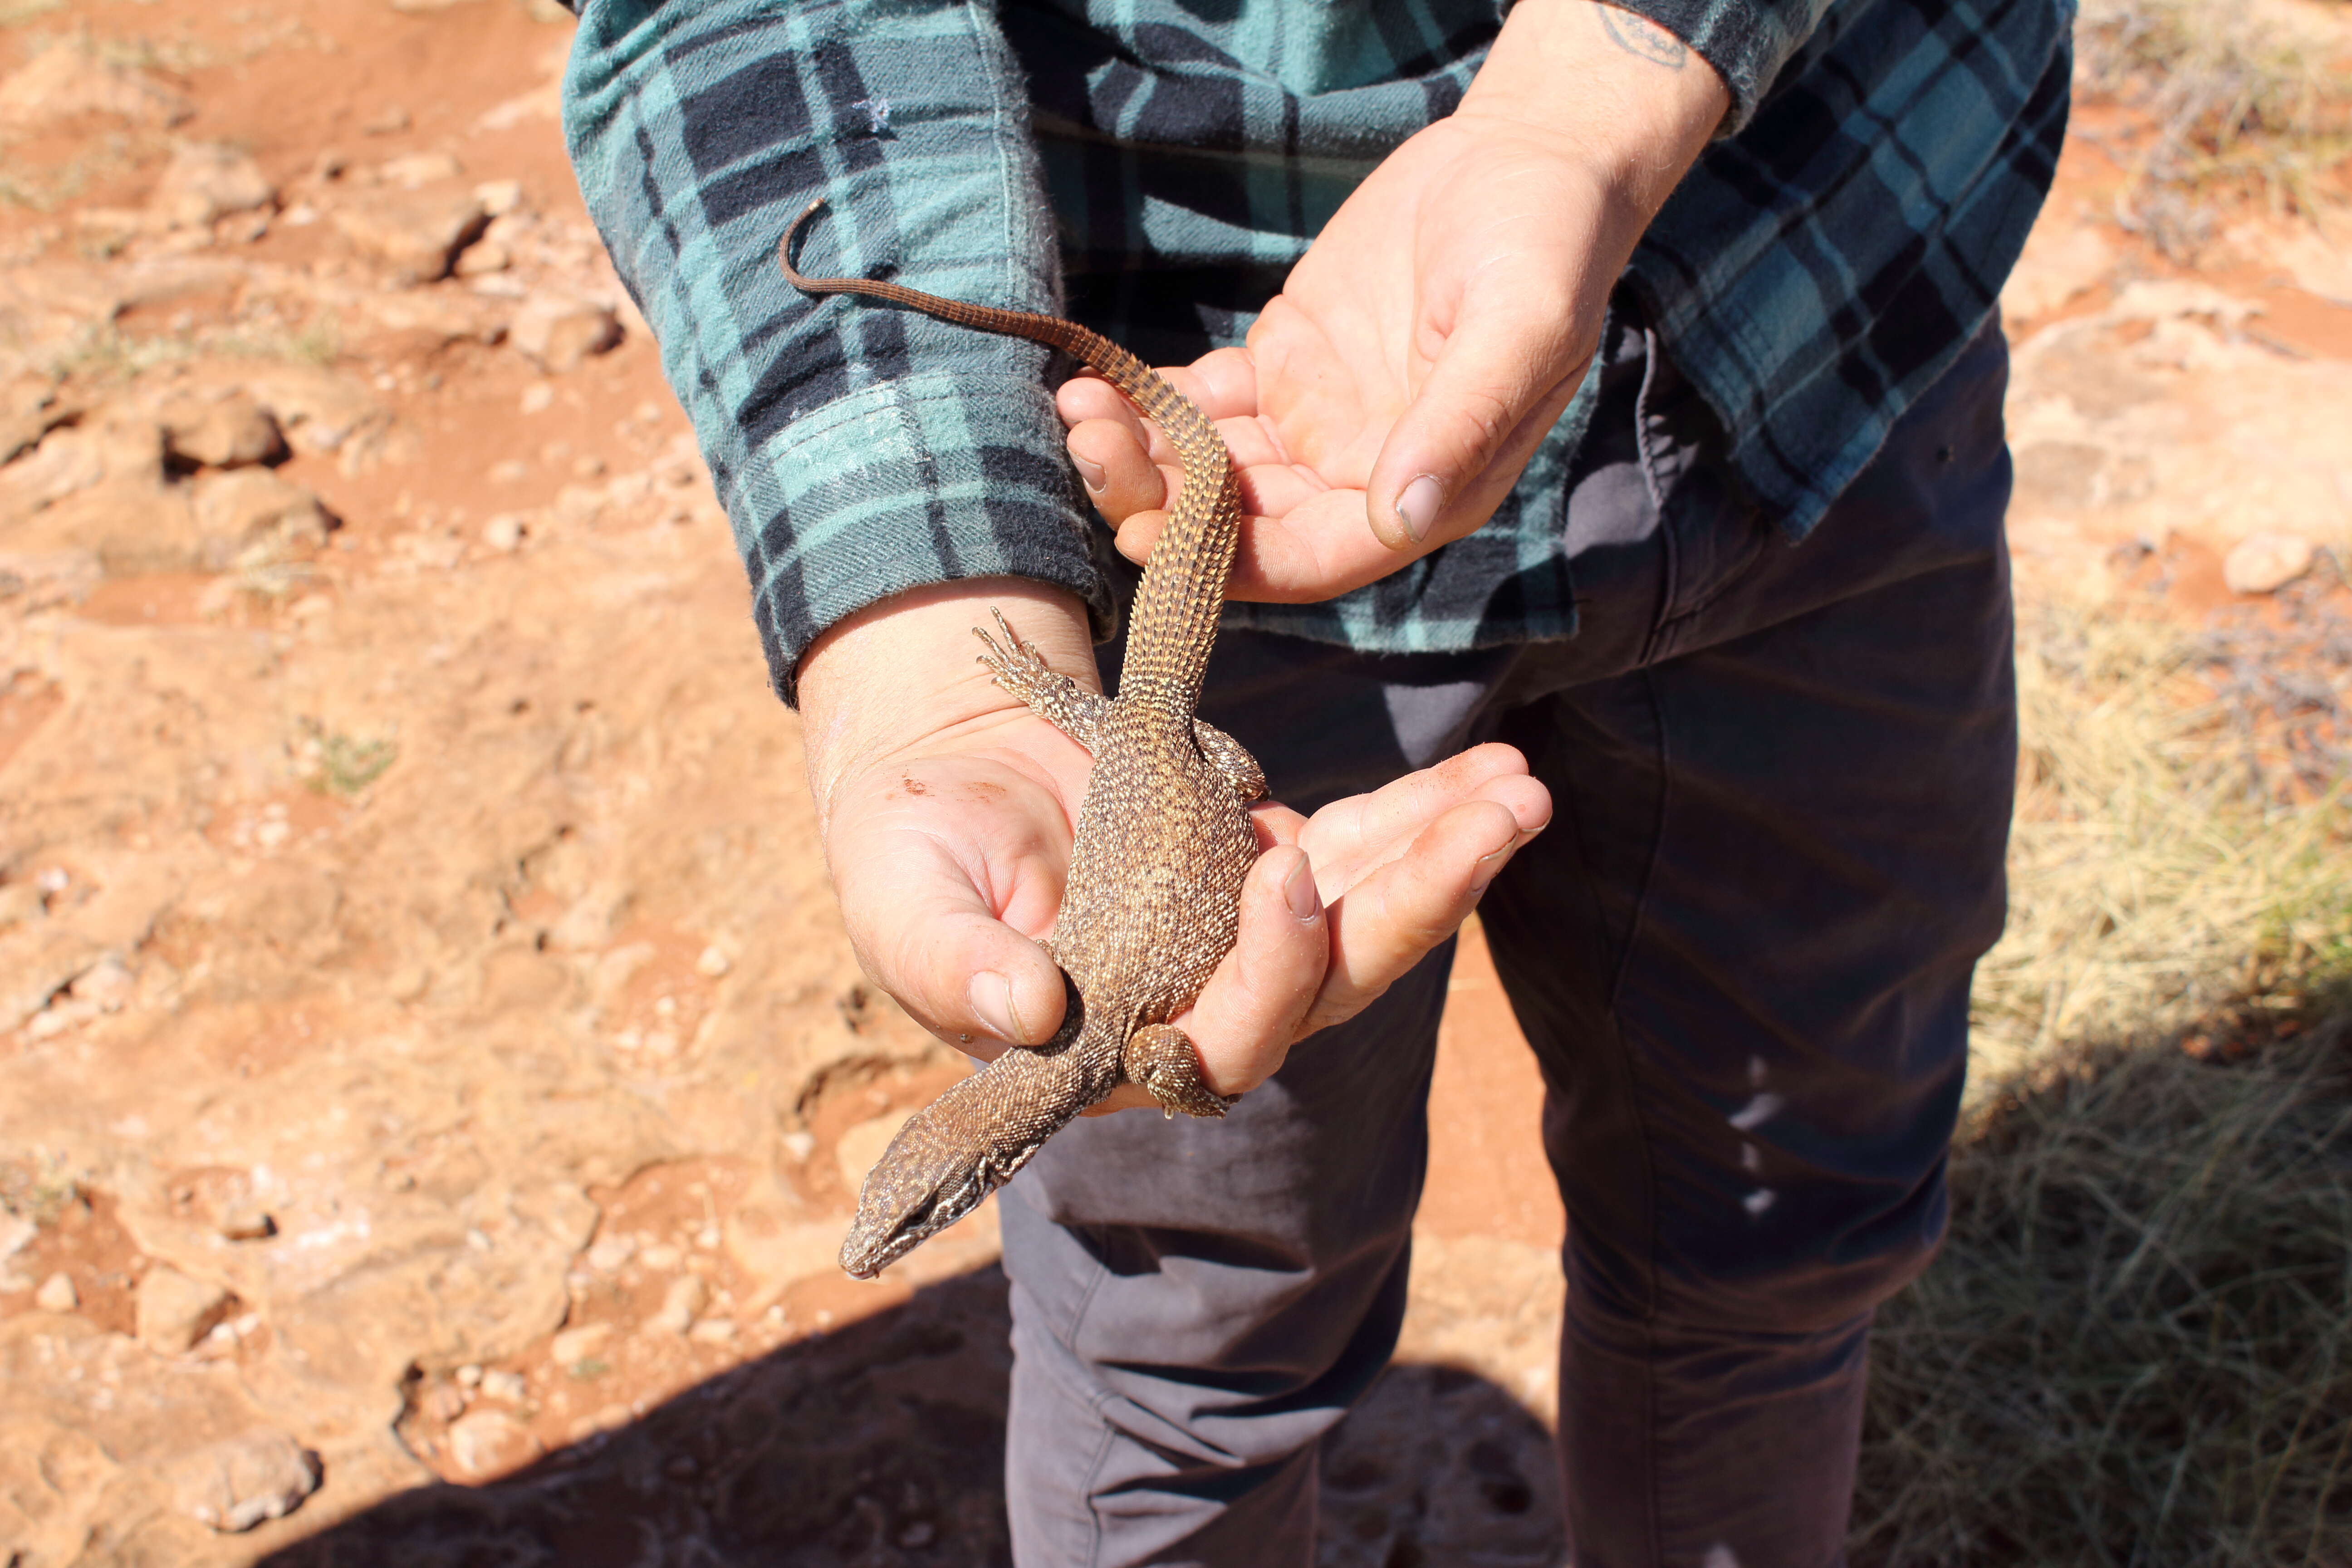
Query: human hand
{"type": "Point", "coordinates": [1389, 397]}
{"type": "Point", "coordinates": [947, 812]}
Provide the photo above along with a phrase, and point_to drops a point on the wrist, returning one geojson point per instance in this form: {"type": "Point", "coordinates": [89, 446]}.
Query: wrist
{"type": "Point", "coordinates": [906, 669]}
{"type": "Point", "coordinates": [1613, 89]}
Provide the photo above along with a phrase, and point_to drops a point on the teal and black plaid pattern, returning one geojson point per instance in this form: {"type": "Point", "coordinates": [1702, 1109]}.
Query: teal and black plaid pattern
{"type": "Point", "coordinates": [1821, 267]}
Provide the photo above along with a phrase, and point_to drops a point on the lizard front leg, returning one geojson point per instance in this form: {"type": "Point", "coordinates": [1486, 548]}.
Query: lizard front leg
{"type": "Point", "coordinates": [1053, 696]}
{"type": "Point", "coordinates": [1161, 1058]}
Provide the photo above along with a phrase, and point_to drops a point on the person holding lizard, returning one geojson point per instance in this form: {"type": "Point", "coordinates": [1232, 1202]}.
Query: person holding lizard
{"type": "Point", "coordinates": [1616, 393]}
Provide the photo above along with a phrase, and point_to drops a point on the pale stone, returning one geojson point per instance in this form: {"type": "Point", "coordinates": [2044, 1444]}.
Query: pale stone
{"type": "Point", "coordinates": [257, 1476]}
{"type": "Point", "coordinates": [486, 1443]}
{"type": "Point", "coordinates": [412, 169]}
{"type": "Point", "coordinates": [416, 238]}
{"type": "Point", "coordinates": [559, 331]}
{"type": "Point", "coordinates": [714, 1332]}
{"type": "Point", "coordinates": [69, 79]}
{"type": "Point", "coordinates": [2266, 563]}
{"type": "Point", "coordinates": [246, 1222]}
{"type": "Point", "coordinates": [245, 513]}
{"type": "Point", "coordinates": [499, 197]}
{"type": "Point", "coordinates": [208, 180]}
{"type": "Point", "coordinates": [57, 1294]}
{"type": "Point", "coordinates": [685, 1298]}
{"type": "Point", "coordinates": [503, 533]}
{"type": "Point", "coordinates": [231, 432]}
{"type": "Point", "coordinates": [507, 1387]}
{"type": "Point", "coordinates": [574, 1346]}
{"type": "Point", "coordinates": [713, 962]}
{"type": "Point", "coordinates": [176, 1311]}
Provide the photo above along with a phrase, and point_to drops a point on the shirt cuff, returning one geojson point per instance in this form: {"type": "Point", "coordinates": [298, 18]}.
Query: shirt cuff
{"type": "Point", "coordinates": [922, 480]}
{"type": "Point", "coordinates": [1746, 41]}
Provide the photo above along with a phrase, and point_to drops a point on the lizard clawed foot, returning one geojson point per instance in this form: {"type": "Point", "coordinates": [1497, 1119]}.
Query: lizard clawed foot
{"type": "Point", "coordinates": [1161, 1058]}
{"type": "Point", "coordinates": [1016, 663]}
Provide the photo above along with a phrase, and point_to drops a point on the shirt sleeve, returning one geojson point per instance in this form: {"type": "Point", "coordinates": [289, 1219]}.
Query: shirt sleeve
{"type": "Point", "coordinates": [1746, 41]}
{"type": "Point", "coordinates": [859, 450]}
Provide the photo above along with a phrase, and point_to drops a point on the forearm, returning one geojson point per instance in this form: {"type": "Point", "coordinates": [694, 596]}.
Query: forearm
{"type": "Point", "coordinates": [903, 672]}
{"type": "Point", "coordinates": [1636, 102]}
{"type": "Point", "coordinates": [860, 452]}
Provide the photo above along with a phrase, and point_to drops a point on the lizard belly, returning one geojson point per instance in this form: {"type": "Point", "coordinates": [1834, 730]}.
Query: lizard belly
{"type": "Point", "coordinates": [1151, 903]}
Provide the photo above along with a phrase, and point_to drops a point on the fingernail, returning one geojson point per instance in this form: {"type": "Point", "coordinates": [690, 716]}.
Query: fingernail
{"type": "Point", "coordinates": [1490, 867]}
{"type": "Point", "coordinates": [1090, 474]}
{"type": "Point", "coordinates": [1298, 891]}
{"type": "Point", "coordinates": [992, 1004]}
{"type": "Point", "coordinates": [1416, 509]}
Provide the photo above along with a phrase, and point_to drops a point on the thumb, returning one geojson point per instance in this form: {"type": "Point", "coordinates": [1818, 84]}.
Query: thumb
{"type": "Point", "coordinates": [930, 938]}
{"type": "Point", "coordinates": [1498, 384]}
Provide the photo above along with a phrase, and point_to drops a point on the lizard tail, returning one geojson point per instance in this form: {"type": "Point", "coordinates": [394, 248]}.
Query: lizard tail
{"type": "Point", "coordinates": [1175, 618]}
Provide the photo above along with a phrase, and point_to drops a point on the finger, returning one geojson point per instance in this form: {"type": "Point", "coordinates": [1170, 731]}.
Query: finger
{"type": "Point", "coordinates": [1498, 369]}
{"type": "Point", "coordinates": [935, 941]}
{"type": "Point", "coordinates": [1120, 476]}
{"type": "Point", "coordinates": [1251, 1009]}
{"type": "Point", "coordinates": [1350, 837]}
{"type": "Point", "coordinates": [1386, 923]}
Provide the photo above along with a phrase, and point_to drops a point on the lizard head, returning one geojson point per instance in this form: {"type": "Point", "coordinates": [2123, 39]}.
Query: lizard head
{"type": "Point", "coordinates": [923, 1184]}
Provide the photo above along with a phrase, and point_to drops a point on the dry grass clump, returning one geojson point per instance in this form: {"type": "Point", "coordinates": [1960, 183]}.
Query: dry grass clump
{"type": "Point", "coordinates": [2240, 102]}
{"type": "Point", "coordinates": [2137, 1348]}
{"type": "Point", "coordinates": [2182, 849]}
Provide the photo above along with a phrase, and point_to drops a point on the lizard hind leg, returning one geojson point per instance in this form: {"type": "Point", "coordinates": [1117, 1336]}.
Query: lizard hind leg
{"type": "Point", "coordinates": [1024, 673]}
{"type": "Point", "coordinates": [1161, 1058]}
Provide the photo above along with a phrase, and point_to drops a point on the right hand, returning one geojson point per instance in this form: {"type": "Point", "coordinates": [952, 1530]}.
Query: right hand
{"type": "Point", "coordinates": [947, 811]}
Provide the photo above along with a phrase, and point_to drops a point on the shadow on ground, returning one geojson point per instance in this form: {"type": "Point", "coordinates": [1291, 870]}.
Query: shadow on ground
{"type": "Point", "coordinates": [882, 1444]}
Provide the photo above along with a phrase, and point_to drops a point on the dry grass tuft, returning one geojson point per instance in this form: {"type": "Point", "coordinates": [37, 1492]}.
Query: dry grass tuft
{"type": "Point", "coordinates": [2137, 1348]}
{"type": "Point", "coordinates": [2180, 852]}
{"type": "Point", "coordinates": [2242, 104]}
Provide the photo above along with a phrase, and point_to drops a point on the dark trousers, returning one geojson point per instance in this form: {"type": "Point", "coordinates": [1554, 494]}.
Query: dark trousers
{"type": "Point", "coordinates": [1741, 952]}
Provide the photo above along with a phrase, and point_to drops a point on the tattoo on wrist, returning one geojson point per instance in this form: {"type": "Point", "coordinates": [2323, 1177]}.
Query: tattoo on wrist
{"type": "Point", "coordinates": [1642, 38]}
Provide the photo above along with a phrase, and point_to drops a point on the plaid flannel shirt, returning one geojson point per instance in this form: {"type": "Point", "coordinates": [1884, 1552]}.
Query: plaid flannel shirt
{"type": "Point", "coordinates": [1817, 268]}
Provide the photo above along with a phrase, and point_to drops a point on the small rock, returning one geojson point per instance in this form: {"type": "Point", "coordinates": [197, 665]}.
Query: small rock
{"type": "Point", "coordinates": [559, 331]}
{"type": "Point", "coordinates": [503, 533]}
{"type": "Point", "coordinates": [661, 1258]}
{"type": "Point", "coordinates": [389, 121]}
{"type": "Point", "coordinates": [107, 985]}
{"type": "Point", "coordinates": [486, 1443]}
{"type": "Point", "coordinates": [69, 79]}
{"type": "Point", "coordinates": [713, 962]}
{"type": "Point", "coordinates": [680, 1302]}
{"type": "Point", "coordinates": [231, 432]}
{"type": "Point", "coordinates": [17, 1232]}
{"type": "Point", "coordinates": [611, 1253]}
{"type": "Point", "coordinates": [209, 180]}
{"type": "Point", "coordinates": [416, 238]}
{"type": "Point", "coordinates": [483, 258]}
{"type": "Point", "coordinates": [2266, 563]}
{"type": "Point", "coordinates": [538, 397]}
{"type": "Point", "coordinates": [470, 1376]}
{"type": "Point", "coordinates": [176, 1311]}
{"type": "Point", "coordinates": [714, 1332]}
{"type": "Point", "coordinates": [574, 1346]}
{"type": "Point", "coordinates": [246, 1222]}
{"type": "Point", "coordinates": [506, 1387]}
{"type": "Point", "coordinates": [412, 170]}
{"type": "Point", "coordinates": [259, 1474]}
{"type": "Point", "coordinates": [247, 514]}
{"type": "Point", "coordinates": [57, 1294]}
{"type": "Point", "coordinates": [499, 197]}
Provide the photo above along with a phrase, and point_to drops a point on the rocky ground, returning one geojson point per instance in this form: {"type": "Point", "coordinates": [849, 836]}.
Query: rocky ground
{"type": "Point", "coordinates": [432, 1075]}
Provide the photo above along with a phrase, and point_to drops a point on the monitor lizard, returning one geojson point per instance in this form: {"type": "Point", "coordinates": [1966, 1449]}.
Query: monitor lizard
{"type": "Point", "coordinates": [1163, 842]}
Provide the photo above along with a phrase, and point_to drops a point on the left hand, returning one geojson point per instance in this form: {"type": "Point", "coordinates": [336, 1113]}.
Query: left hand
{"type": "Point", "coordinates": [1389, 397]}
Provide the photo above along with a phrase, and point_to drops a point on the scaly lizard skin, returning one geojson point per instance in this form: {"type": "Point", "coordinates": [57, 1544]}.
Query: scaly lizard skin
{"type": "Point", "coordinates": [1163, 839]}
